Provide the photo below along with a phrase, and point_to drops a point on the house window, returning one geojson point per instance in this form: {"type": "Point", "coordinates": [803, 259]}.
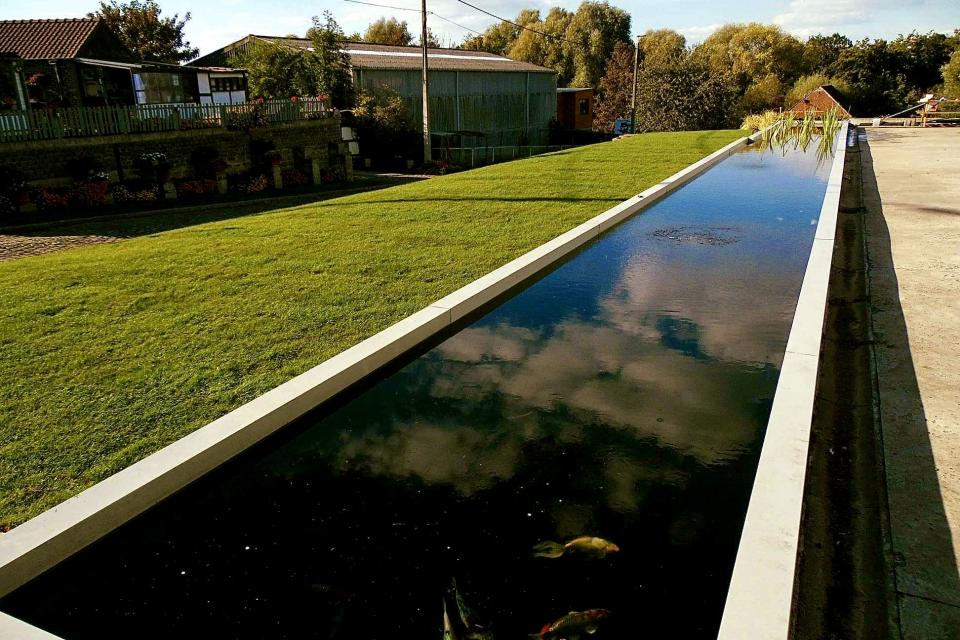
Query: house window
{"type": "Point", "coordinates": [160, 88]}
{"type": "Point", "coordinates": [43, 90]}
{"type": "Point", "coordinates": [11, 96]}
{"type": "Point", "coordinates": [584, 106]}
{"type": "Point", "coordinates": [92, 82]}
{"type": "Point", "coordinates": [226, 83]}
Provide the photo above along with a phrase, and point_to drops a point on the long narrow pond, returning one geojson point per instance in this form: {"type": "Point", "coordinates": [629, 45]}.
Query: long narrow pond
{"type": "Point", "coordinates": [623, 396]}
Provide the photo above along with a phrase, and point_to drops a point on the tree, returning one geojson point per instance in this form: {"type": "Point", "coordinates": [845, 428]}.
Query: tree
{"type": "Point", "coordinates": [277, 71]}
{"type": "Point", "coordinates": [762, 94]}
{"type": "Point", "coordinates": [141, 28]}
{"type": "Point", "coordinates": [751, 52]}
{"type": "Point", "coordinates": [658, 46]}
{"type": "Point", "coordinates": [616, 88]}
{"type": "Point", "coordinates": [683, 93]}
{"type": "Point", "coordinates": [921, 57]}
{"type": "Point", "coordinates": [331, 61]}
{"type": "Point", "coordinates": [951, 76]}
{"type": "Point", "coordinates": [388, 31]}
{"type": "Point", "coordinates": [594, 30]}
{"type": "Point", "coordinates": [876, 77]}
{"type": "Point", "coordinates": [820, 52]}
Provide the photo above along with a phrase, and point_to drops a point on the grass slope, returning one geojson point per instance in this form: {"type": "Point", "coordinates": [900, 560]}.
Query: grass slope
{"type": "Point", "coordinates": [113, 351]}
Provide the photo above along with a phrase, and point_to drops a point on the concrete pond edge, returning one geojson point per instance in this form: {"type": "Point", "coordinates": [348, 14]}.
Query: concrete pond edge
{"type": "Point", "coordinates": [760, 597]}
{"type": "Point", "coordinates": [42, 542]}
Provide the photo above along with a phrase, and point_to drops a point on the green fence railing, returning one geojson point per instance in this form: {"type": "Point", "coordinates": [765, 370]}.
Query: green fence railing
{"type": "Point", "coordinates": [80, 122]}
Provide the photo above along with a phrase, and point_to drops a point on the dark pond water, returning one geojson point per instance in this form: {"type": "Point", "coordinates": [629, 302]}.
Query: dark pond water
{"type": "Point", "coordinates": [624, 395]}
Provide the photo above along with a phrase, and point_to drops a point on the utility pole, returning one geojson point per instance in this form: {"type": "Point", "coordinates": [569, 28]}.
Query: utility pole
{"type": "Point", "coordinates": [633, 100]}
{"type": "Point", "coordinates": [426, 84]}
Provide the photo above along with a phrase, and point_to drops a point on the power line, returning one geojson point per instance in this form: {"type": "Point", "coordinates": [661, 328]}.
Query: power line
{"type": "Point", "coordinates": [432, 13]}
{"type": "Point", "coordinates": [520, 26]}
{"type": "Point", "coordinates": [492, 15]}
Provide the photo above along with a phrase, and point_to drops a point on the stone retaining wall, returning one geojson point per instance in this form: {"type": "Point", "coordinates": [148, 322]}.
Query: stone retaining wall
{"type": "Point", "coordinates": [46, 162]}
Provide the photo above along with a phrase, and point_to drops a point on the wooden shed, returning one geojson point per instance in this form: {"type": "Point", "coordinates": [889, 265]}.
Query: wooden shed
{"type": "Point", "coordinates": [575, 107]}
{"type": "Point", "coordinates": [821, 100]}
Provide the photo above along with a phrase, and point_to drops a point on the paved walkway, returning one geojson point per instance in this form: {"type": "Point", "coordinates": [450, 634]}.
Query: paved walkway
{"type": "Point", "coordinates": [912, 199]}
{"type": "Point", "coordinates": [14, 246]}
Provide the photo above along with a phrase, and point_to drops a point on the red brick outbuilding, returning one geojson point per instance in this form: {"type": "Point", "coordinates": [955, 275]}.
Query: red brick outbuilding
{"type": "Point", "coordinates": [820, 100]}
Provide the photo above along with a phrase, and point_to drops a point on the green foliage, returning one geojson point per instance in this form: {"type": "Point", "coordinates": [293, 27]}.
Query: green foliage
{"type": "Point", "coordinates": [752, 53]}
{"type": "Point", "coordinates": [782, 130]}
{"type": "Point", "coordinates": [884, 77]}
{"type": "Point", "coordinates": [951, 76]}
{"type": "Point", "coordinates": [388, 31]}
{"type": "Point", "coordinates": [577, 44]}
{"type": "Point", "coordinates": [595, 29]}
{"type": "Point", "coordinates": [762, 93]}
{"type": "Point", "coordinates": [683, 94]}
{"type": "Point", "coordinates": [660, 46]}
{"type": "Point", "coordinates": [385, 126]}
{"type": "Point", "coordinates": [616, 88]}
{"type": "Point", "coordinates": [277, 71]}
{"type": "Point", "coordinates": [820, 53]}
{"type": "Point", "coordinates": [151, 37]}
{"type": "Point", "coordinates": [331, 62]}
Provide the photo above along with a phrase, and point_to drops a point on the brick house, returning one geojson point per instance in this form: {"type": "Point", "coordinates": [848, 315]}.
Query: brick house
{"type": "Point", "coordinates": [80, 62]}
{"type": "Point", "coordinates": [820, 100]}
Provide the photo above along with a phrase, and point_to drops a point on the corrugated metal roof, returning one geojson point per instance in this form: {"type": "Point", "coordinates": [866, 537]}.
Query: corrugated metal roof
{"type": "Point", "coordinates": [364, 55]}
{"type": "Point", "coordinates": [46, 39]}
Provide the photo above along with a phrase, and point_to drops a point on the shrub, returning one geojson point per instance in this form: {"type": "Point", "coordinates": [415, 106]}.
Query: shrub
{"type": "Point", "coordinates": [249, 118]}
{"type": "Point", "coordinates": [91, 194]}
{"type": "Point", "coordinates": [48, 199]}
{"type": "Point", "coordinates": [12, 183]}
{"type": "Point", "coordinates": [385, 126]}
{"type": "Point", "coordinates": [153, 167]}
{"type": "Point", "coordinates": [294, 178]}
{"type": "Point", "coordinates": [122, 195]}
{"type": "Point", "coordinates": [7, 208]}
{"type": "Point", "coordinates": [85, 168]}
{"type": "Point", "coordinates": [197, 187]}
{"type": "Point", "coordinates": [202, 161]}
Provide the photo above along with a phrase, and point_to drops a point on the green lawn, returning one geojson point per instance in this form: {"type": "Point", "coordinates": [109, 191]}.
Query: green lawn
{"type": "Point", "coordinates": [113, 351]}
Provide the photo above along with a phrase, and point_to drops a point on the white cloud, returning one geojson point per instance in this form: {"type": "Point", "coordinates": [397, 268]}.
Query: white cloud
{"type": "Point", "coordinates": [698, 34]}
{"type": "Point", "coordinates": [807, 17]}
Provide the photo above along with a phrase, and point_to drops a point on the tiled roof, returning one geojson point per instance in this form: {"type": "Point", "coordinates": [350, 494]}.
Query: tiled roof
{"type": "Point", "coordinates": [46, 39]}
{"type": "Point", "coordinates": [364, 55]}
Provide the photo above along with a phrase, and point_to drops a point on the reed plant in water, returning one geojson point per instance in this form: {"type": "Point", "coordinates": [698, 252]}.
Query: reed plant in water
{"type": "Point", "coordinates": [780, 130]}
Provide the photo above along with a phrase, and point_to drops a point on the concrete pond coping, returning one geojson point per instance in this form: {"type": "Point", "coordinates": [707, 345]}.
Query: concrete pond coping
{"type": "Point", "coordinates": [52, 536]}
{"type": "Point", "coordinates": [760, 595]}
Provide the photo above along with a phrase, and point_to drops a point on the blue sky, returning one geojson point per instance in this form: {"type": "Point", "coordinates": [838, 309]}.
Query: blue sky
{"type": "Point", "coordinates": [217, 22]}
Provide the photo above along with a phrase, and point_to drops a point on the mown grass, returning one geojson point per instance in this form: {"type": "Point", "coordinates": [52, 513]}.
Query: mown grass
{"type": "Point", "coordinates": [111, 352]}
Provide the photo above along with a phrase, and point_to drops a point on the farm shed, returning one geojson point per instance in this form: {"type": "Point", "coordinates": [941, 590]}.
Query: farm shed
{"type": "Point", "coordinates": [477, 98]}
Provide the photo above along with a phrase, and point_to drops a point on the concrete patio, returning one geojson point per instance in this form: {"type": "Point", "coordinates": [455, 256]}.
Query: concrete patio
{"type": "Point", "coordinates": [911, 196]}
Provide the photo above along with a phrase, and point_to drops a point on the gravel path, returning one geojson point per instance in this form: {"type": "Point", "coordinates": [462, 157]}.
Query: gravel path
{"type": "Point", "coordinates": [17, 246]}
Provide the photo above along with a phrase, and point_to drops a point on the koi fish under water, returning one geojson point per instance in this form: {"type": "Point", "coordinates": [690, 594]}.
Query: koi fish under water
{"type": "Point", "coordinates": [586, 545]}
{"type": "Point", "coordinates": [466, 625]}
{"type": "Point", "coordinates": [570, 626]}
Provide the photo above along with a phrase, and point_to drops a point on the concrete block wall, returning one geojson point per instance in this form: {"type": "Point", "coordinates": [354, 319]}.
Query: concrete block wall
{"type": "Point", "coordinates": [46, 162]}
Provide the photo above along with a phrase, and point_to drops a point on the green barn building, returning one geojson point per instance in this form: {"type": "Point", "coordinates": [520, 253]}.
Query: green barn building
{"type": "Point", "coordinates": [476, 98]}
